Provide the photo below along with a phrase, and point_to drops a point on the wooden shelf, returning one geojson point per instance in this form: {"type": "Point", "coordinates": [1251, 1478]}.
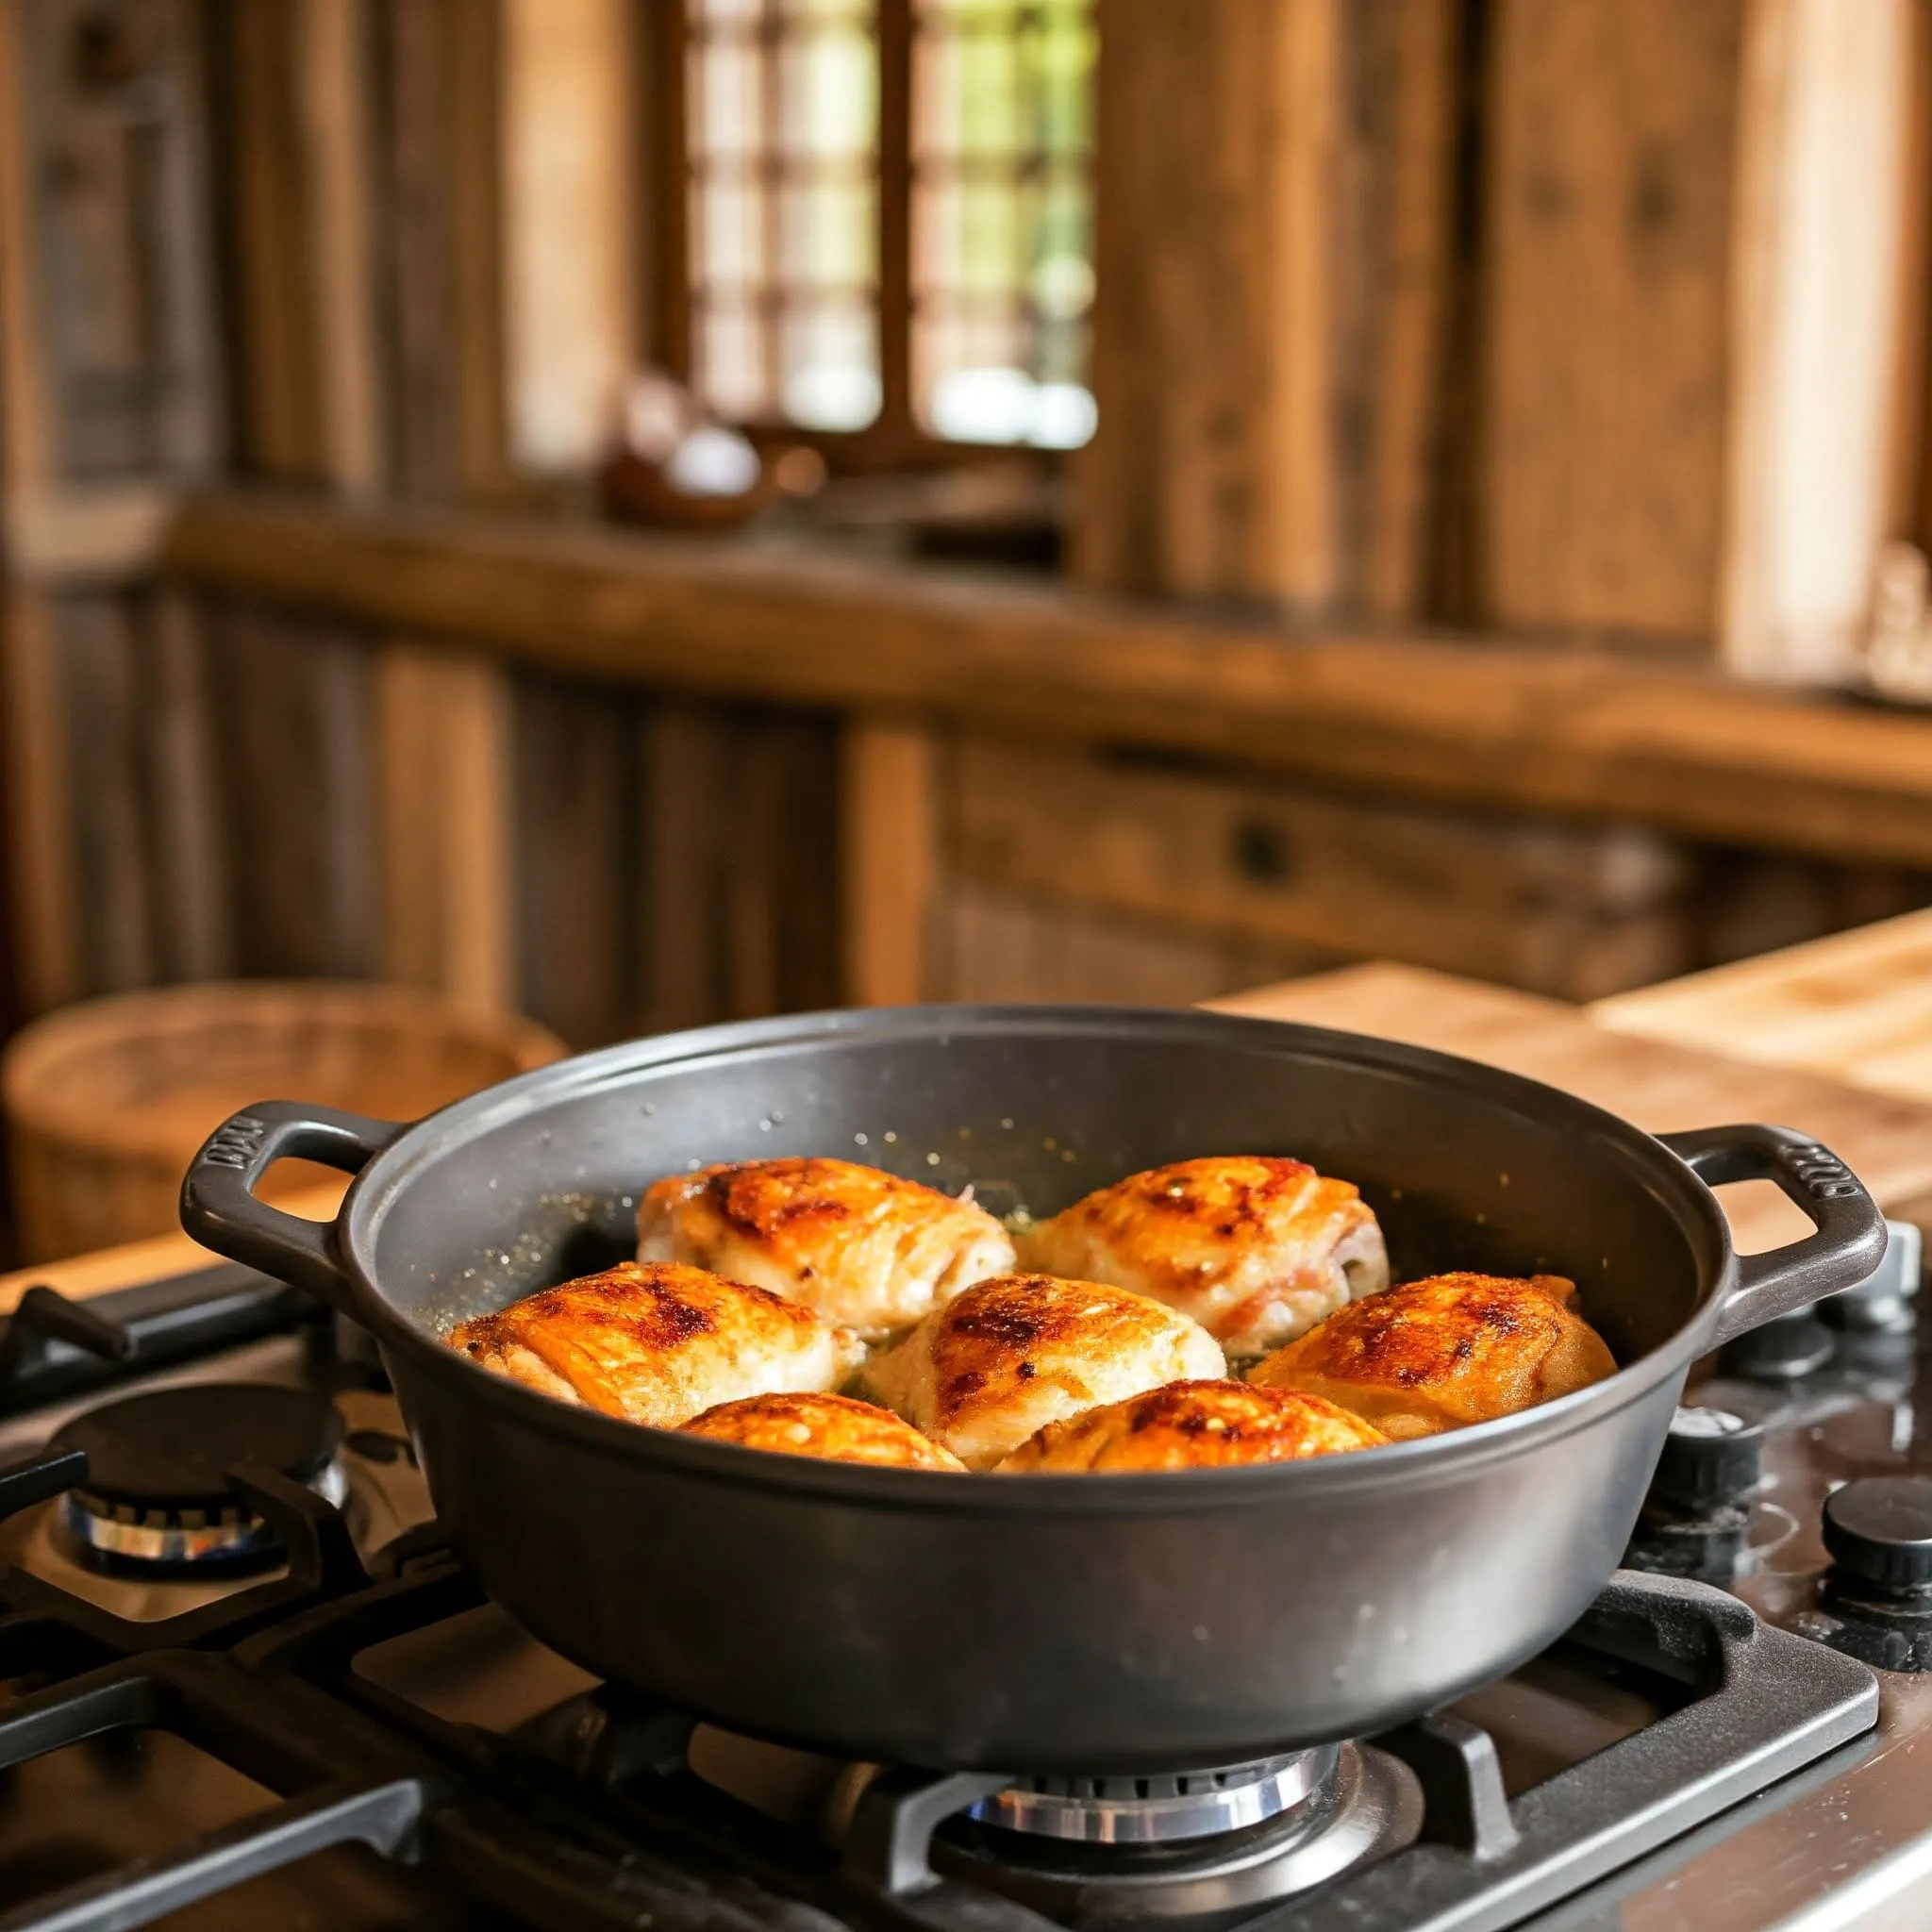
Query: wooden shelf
{"type": "Point", "coordinates": [1522, 722]}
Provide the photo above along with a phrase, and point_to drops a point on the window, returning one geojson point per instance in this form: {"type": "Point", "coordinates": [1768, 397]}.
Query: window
{"type": "Point", "coordinates": [783, 142]}
{"type": "Point", "coordinates": [1002, 220]}
{"type": "Point", "coordinates": [887, 218]}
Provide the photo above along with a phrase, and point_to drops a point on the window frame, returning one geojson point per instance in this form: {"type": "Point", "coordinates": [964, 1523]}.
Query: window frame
{"type": "Point", "coordinates": [894, 440]}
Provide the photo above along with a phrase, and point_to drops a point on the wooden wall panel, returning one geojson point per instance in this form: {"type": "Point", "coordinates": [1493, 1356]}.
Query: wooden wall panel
{"type": "Point", "coordinates": [445, 823]}
{"type": "Point", "coordinates": [438, 64]}
{"type": "Point", "coordinates": [293, 708]}
{"type": "Point", "coordinates": [678, 863]}
{"type": "Point", "coordinates": [891, 837]}
{"type": "Point", "coordinates": [1573, 911]}
{"type": "Point", "coordinates": [1699, 243]}
{"type": "Point", "coordinates": [1268, 376]}
{"type": "Point", "coordinates": [1824, 260]}
{"type": "Point", "coordinates": [101, 698]}
{"type": "Point", "coordinates": [573, 180]}
{"type": "Point", "coordinates": [686, 750]}
{"type": "Point", "coordinates": [335, 75]}
{"type": "Point", "coordinates": [1613, 132]}
{"type": "Point", "coordinates": [120, 259]}
{"type": "Point", "coordinates": [1004, 946]}
{"type": "Point", "coordinates": [267, 215]}
{"type": "Point", "coordinates": [43, 861]}
{"type": "Point", "coordinates": [192, 897]}
{"type": "Point", "coordinates": [782, 866]}
{"type": "Point", "coordinates": [576, 771]}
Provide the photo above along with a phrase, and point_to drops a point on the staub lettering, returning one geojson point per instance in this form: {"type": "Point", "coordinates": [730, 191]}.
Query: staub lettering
{"type": "Point", "coordinates": [1824, 1176]}
{"type": "Point", "coordinates": [236, 1143]}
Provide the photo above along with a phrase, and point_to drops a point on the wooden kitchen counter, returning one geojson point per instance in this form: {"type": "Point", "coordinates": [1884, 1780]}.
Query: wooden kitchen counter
{"type": "Point", "coordinates": [1661, 1086]}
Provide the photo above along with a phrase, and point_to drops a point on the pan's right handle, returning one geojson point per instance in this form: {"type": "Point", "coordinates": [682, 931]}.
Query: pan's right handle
{"type": "Point", "coordinates": [219, 1206]}
{"type": "Point", "coordinates": [1848, 1243]}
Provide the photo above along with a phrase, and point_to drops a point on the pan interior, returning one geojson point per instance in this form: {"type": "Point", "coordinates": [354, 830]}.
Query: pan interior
{"type": "Point", "coordinates": [514, 1192]}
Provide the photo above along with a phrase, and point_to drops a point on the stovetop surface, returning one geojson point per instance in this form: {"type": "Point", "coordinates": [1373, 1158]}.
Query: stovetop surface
{"type": "Point", "coordinates": [1843, 1840]}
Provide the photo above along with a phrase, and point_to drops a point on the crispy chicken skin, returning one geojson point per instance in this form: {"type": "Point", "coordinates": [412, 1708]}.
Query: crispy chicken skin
{"type": "Point", "coordinates": [1256, 1249]}
{"type": "Point", "coordinates": [834, 1427]}
{"type": "Point", "coordinates": [1193, 1426]}
{"type": "Point", "coordinates": [1011, 1354]}
{"type": "Point", "coordinates": [862, 1247]}
{"type": "Point", "coordinates": [659, 1343]}
{"type": "Point", "coordinates": [1446, 1352]}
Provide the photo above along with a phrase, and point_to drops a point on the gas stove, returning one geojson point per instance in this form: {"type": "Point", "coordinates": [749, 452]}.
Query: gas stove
{"type": "Point", "coordinates": [243, 1682]}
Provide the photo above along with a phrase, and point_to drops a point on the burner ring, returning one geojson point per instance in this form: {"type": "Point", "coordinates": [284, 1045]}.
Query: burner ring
{"type": "Point", "coordinates": [157, 1494]}
{"type": "Point", "coordinates": [154, 1538]}
{"type": "Point", "coordinates": [1164, 1808]}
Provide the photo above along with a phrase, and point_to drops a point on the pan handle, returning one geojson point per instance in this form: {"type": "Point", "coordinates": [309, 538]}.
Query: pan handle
{"type": "Point", "coordinates": [1849, 1242]}
{"type": "Point", "coordinates": [219, 1206]}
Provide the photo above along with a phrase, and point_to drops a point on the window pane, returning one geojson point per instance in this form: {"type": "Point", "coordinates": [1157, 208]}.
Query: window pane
{"type": "Point", "coordinates": [828, 235]}
{"type": "Point", "coordinates": [729, 242]}
{"type": "Point", "coordinates": [784, 159]}
{"type": "Point", "coordinates": [733, 368]}
{"type": "Point", "coordinates": [831, 366]}
{"type": "Point", "coordinates": [1002, 270]}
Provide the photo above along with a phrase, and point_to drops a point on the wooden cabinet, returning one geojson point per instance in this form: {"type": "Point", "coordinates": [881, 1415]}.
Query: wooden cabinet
{"type": "Point", "coordinates": [1246, 873]}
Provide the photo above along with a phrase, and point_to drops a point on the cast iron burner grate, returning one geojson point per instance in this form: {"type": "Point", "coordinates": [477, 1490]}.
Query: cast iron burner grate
{"type": "Point", "coordinates": [594, 1819]}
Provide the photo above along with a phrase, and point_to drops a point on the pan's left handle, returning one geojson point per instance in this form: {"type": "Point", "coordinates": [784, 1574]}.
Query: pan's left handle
{"type": "Point", "coordinates": [1848, 1243]}
{"type": "Point", "coordinates": [219, 1206]}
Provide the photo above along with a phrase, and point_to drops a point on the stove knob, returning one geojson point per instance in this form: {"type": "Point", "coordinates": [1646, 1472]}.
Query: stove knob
{"type": "Point", "coordinates": [1786, 1350]}
{"type": "Point", "coordinates": [1710, 1457]}
{"type": "Point", "coordinates": [1879, 1529]}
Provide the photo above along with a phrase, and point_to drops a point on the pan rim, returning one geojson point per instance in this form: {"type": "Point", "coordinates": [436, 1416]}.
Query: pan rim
{"type": "Point", "coordinates": [1692, 1206]}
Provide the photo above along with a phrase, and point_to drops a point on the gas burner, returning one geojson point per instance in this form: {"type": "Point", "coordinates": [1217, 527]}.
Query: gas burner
{"type": "Point", "coordinates": [157, 1495]}
{"type": "Point", "coordinates": [1194, 1845]}
{"type": "Point", "coordinates": [1159, 1809]}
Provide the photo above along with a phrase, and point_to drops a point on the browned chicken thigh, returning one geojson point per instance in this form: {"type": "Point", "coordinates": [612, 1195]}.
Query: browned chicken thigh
{"type": "Point", "coordinates": [833, 1427]}
{"type": "Point", "coordinates": [1446, 1352]}
{"type": "Point", "coordinates": [1193, 1426]}
{"type": "Point", "coordinates": [1256, 1249]}
{"type": "Point", "coordinates": [864, 1248]}
{"type": "Point", "coordinates": [1010, 1356]}
{"type": "Point", "coordinates": [656, 1343]}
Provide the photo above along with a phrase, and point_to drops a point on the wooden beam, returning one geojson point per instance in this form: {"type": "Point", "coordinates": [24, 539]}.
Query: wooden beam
{"type": "Point", "coordinates": [1512, 723]}
{"type": "Point", "coordinates": [891, 842]}
{"type": "Point", "coordinates": [94, 533]}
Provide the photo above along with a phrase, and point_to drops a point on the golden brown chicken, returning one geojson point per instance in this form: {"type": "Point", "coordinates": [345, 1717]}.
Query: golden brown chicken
{"type": "Point", "coordinates": [657, 1343]}
{"type": "Point", "coordinates": [862, 1247]}
{"type": "Point", "coordinates": [834, 1427]}
{"type": "Point", "coordinates": [1256, 1249]}
{"type": "Point", "coordinates": [1011, 1354]}
{"type": "Point", "coordinates": [1446, 1352]}
{"type": "Point", "coordinates": [1193, 1426]}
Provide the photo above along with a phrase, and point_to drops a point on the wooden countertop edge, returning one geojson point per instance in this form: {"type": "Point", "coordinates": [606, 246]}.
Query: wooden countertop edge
{"type": "Point", "coordinates": [1487, 721]}
{"type": "Point", "coordinates": [154, 1260]}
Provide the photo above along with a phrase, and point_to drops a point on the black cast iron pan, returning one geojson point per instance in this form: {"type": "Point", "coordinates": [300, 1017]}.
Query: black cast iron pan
{"type": "Point", "coordinates": [1102, 1623]}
